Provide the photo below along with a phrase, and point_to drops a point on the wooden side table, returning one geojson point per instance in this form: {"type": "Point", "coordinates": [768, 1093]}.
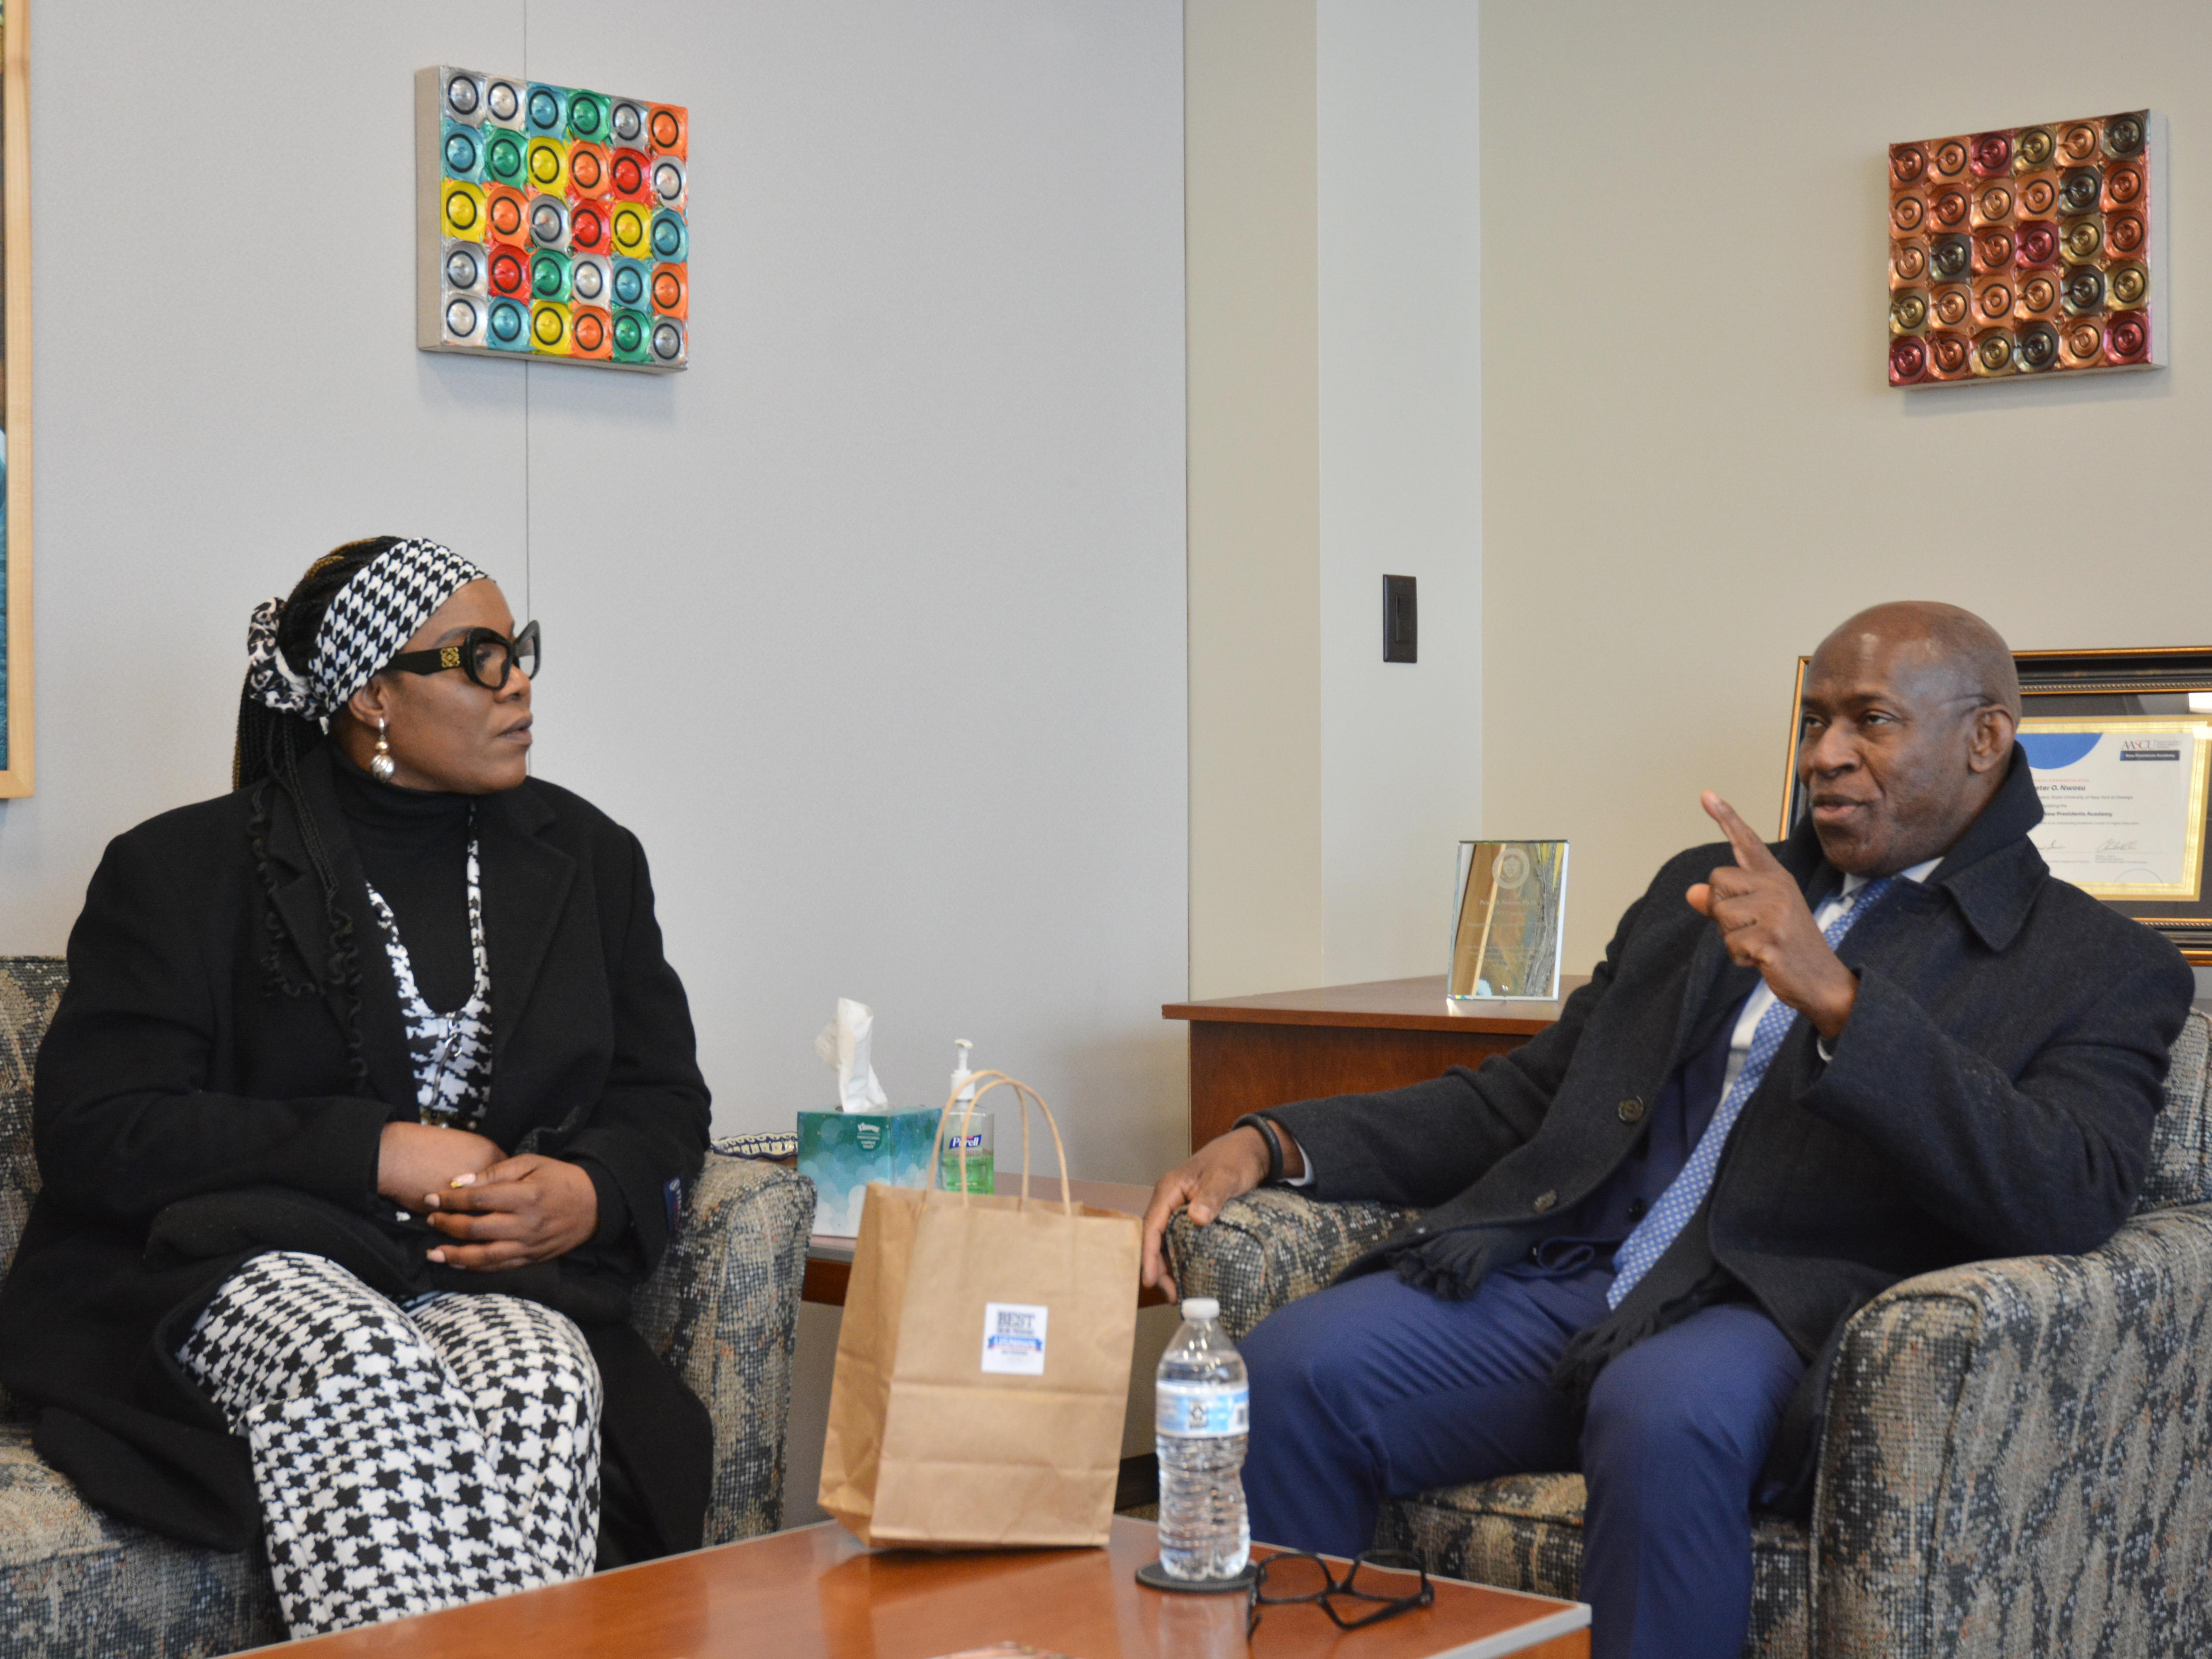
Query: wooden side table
{"type": "Point", "coordinates": [1248, 1053]}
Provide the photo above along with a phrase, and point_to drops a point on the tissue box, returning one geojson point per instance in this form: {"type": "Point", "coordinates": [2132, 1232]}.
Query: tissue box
{"type": "Point", "coordinates": [840, 1152]}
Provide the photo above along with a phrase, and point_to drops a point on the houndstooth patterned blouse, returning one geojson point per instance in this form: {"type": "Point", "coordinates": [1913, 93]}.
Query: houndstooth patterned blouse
{"type": "Point", "coordinates": [451, 1053]}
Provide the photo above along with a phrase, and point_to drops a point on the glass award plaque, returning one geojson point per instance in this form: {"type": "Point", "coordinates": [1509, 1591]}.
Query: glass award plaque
{"type": "Point", "coordinates": [1510, 914]}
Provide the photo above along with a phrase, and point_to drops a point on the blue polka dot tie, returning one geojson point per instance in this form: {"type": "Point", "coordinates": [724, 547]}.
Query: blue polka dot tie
{"type": "Point", "coordinates": [1687, 1190]}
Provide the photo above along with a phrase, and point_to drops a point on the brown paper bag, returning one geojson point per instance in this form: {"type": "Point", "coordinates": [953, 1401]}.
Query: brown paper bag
{"type": "Point", "coordinates": [983, 1366]}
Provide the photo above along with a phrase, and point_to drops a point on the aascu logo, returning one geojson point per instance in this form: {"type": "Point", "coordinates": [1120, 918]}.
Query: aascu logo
{"type": "Point", "coordinates": [2149, 749]}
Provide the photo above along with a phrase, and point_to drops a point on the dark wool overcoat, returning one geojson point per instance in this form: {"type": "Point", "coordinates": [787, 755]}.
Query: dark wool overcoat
{"type": "Point", "coordinates": [187, 1118]}
{"type": "Point", "coordinates": [1991, 1095]}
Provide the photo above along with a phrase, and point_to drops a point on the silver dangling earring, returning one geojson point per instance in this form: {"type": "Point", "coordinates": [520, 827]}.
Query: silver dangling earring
{"type": "Point", "coordinates": [381, 766]}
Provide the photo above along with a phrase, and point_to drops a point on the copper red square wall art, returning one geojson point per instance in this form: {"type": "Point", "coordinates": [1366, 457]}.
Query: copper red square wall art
{"type": "Point", "coordinates": [553, 222]}
{"type": "Point", "coordinates": [2027, 251]}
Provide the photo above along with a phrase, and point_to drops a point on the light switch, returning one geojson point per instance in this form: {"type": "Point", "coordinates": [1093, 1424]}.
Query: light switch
{"type": "Point", "coordinates": [1401, 620]}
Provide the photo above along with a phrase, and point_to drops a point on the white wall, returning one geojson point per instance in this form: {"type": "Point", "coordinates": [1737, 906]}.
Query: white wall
{"type": "Point", "coordinates": [1256, 692]}
{"type": "Point", "coordinates": [1400, 404]}
{"type": "Point", "coordinates": [1693, 465]}
{"type": "Point", "coordinates": [871, 624]}
{"type": "Point", "coordinates": [1335, 295]}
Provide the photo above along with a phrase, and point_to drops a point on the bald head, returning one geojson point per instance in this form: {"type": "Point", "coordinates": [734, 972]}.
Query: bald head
{"type": "Point", "coordinates": [1931, 637]}
{"type": "Point", "coordinates": [1908, 716]}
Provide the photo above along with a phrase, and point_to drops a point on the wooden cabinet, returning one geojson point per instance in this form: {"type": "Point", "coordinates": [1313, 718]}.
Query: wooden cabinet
{"type": "Point", "coordinates": [1247, 1052]}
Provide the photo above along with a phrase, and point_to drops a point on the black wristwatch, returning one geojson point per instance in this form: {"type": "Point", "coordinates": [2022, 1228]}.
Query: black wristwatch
{"type": "Point", "coordinates": [1267, 1134]}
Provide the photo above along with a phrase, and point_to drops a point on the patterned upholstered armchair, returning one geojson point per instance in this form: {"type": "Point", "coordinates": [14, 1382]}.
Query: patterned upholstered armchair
{"type": "Point", "coordinates": [2018, 1455]}
{"type": "Point", "coordinates": [723, 1306]}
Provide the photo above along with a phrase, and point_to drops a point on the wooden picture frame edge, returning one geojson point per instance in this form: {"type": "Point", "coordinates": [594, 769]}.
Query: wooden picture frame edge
{"type": "Point", "coordinates": [16, 780]}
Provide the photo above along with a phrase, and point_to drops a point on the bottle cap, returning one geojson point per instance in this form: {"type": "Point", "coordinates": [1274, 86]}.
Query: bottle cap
{"type": "Point", "coordinates": [1200, 1307]}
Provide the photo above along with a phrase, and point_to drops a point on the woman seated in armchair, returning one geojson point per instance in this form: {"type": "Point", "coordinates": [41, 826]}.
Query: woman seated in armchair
{"type": "Point", "coordinates": [370, 1098]}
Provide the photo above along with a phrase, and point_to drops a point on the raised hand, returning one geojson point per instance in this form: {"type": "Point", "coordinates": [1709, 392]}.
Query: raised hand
{"type": "Point", "coordinates": [1765, 923]}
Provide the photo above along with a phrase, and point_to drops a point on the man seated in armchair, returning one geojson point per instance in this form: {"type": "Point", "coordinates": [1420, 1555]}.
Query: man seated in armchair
{"type": "Point", "coordinates": [1893, 1043]}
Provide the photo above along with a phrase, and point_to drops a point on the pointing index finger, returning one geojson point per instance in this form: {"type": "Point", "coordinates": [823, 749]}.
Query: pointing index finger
{"type": "Point", "coordinates": [1751, 852]}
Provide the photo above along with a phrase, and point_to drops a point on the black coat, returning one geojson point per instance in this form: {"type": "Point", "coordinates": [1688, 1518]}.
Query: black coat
{"type": "Point", "coordinates": [1993, 1095]}
{"type": "Point", "coordinates": [186, 1118]}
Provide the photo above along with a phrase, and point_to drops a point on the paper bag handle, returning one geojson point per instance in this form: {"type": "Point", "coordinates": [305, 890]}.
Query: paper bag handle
{"type": "Point", "coordinates": [1022, 1094]}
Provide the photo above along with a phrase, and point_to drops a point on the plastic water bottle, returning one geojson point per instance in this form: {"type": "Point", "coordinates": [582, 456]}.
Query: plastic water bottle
{"type": "Point", "coordinates": [1202, 1418]}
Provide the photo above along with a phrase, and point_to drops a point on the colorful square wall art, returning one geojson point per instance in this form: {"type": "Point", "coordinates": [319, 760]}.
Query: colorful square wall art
{"type": "Point", "coordinates": [551, 222]}
{"type": "Point", "coordinates": [2029, 251]}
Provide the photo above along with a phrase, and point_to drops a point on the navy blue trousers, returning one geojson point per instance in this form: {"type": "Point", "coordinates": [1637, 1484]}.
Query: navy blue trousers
{"type": "Point", "coordinates": [1372, 1390]}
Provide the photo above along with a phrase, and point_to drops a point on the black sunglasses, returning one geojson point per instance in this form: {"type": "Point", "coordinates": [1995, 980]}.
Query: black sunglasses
{"type": "Point", "coordinates": [1383, 1582]}
{"type": "Point", "coordinates": [484, 654]}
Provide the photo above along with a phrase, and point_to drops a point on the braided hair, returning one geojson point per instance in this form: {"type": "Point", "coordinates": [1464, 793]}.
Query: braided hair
{"type": "Point", "coordinates": [266, 761]}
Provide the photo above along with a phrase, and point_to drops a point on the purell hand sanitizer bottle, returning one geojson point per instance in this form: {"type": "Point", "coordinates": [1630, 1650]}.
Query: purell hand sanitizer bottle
{"type": "Point", "coordinates": [976, 1134]}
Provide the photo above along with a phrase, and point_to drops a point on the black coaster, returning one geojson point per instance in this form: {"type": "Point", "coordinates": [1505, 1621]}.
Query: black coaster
{"type": "Point", "coordinates": [1153, 1576]}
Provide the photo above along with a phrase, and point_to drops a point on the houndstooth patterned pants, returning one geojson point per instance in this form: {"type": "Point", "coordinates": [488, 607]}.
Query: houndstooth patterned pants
{"type": "Point", "coordinates": [406, 1460]}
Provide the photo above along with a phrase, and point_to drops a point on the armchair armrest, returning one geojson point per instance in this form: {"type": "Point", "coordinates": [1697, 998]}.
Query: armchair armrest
{"type": "Point", "coordinates": [723, 1307]}
{"type": "Point", "coordinates": [1271, 1247]}
{"type": "Point", "coordinates": [2014, 1454]}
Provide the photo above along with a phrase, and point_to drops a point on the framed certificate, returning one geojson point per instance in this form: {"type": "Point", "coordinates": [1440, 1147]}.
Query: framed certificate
{"type": "Point", "coordinates": [2120, 745]}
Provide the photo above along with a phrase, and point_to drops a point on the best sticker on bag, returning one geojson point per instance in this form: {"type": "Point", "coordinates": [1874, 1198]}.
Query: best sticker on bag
{"type": "Point", "coordinates": [1013, 1339]}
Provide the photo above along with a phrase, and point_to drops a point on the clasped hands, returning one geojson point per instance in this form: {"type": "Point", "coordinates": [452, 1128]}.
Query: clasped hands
{"type": "Point", "coordinates": [501, 1212]}
{"type": "Point", "coordinates": [1764, 921]}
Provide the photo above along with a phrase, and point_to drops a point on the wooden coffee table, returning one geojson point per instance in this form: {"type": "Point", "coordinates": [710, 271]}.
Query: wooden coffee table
{"type": "Point", "coordinates": [814, 1593]}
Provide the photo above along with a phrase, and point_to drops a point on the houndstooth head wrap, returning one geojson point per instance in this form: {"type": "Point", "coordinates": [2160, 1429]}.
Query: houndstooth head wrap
{"type": "Point", "coordinates": [379, 607]}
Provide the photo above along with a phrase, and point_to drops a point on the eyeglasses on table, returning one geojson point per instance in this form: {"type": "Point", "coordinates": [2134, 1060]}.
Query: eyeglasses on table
{"type": "Point", "coordinates": [1379, 1584]}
